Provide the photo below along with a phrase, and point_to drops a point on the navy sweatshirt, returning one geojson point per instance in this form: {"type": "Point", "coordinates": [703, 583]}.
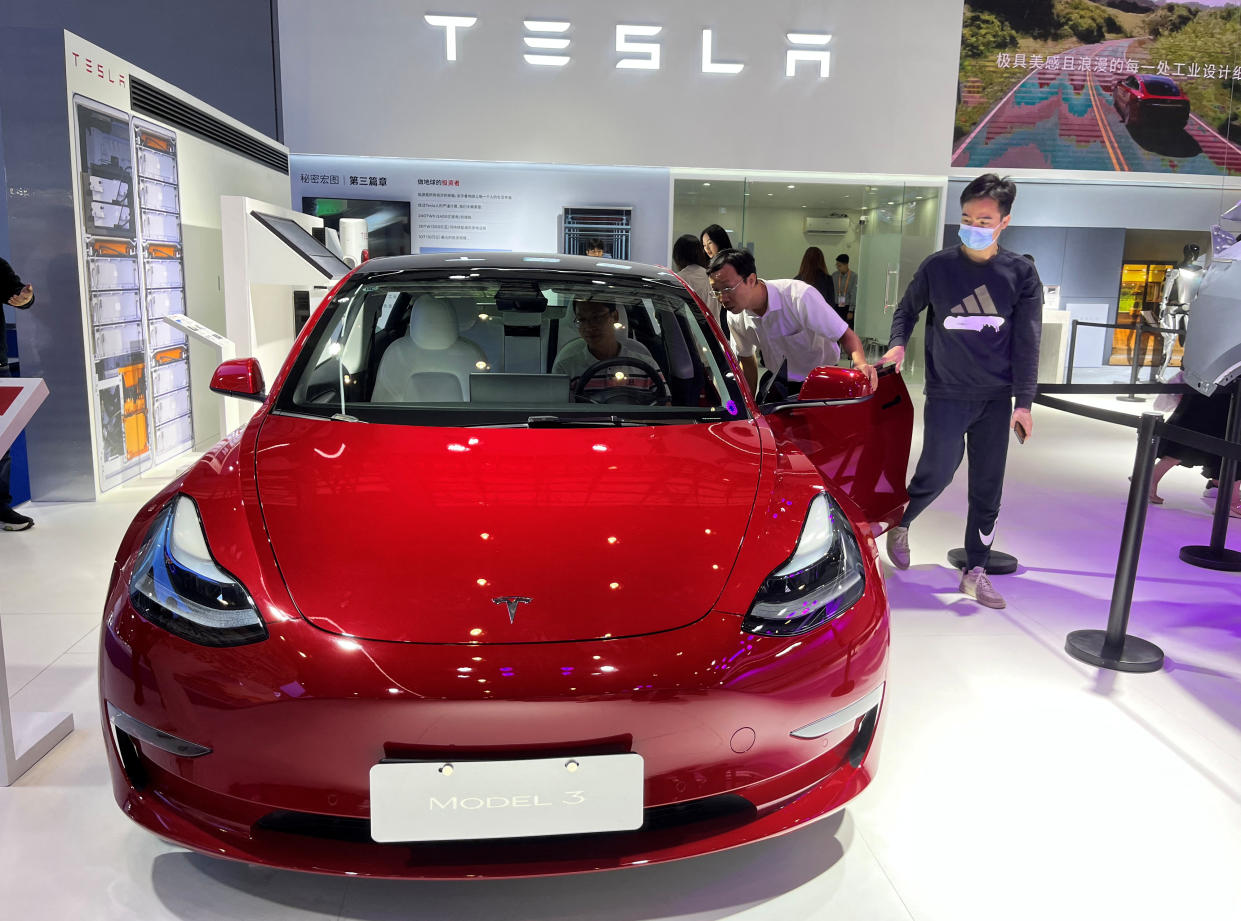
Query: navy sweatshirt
{"type": "Point", "coordinates": [983, 329]}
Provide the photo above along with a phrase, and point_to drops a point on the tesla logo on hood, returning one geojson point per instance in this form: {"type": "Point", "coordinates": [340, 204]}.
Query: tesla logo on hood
{"type": "Point", "coordinates": [511, 601]}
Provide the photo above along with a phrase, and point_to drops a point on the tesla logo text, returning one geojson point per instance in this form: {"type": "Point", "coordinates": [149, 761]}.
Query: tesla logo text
{"type": "Point", "coordinates": [99, 69]}
{"type": "Point", "coordinates": [548, 44]}
{"type": "Point", "coordinates": [519, 801]}
{"type": "Point", "coordinates": [511, 601]}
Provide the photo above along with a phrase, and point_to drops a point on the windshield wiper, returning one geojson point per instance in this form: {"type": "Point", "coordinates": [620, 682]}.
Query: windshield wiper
{"type": "Point", "coordinates": [551, 422]}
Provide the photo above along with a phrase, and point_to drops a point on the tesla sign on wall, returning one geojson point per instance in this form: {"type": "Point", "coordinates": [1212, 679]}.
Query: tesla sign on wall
{"type": "Point", "coordinates": [1139, 86]}
{"type": "Point", "coordinates": [546, 44]}
{"type": "Point", "coordinates": [699, 83]}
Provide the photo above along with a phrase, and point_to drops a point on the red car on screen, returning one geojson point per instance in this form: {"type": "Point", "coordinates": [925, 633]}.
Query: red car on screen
{"type": "Point", "coordinates": [461, 600]}
{"type": "Point", "coordinates": [1150, 100]}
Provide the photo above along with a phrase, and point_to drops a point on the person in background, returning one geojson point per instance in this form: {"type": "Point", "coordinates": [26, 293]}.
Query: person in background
{"type": "Point", "coordinates": [844, 281]}
{"type": "Point", "coordinates": [813, 272]}
{"type": "Point", "coordinates": [16, 294]}
{"type": "Point", "coordinates": [715, 240]}
{"type": "Point", "coordinates": [1198, 413]}
{"type": "Point", "coordinates": [982, 340]}
{"type": "Point", "coordinates": [690, 260]}
{"type": "Point", "coordinates": [787, 319]}
{"type": "Point", "coordinates": [594, 248]}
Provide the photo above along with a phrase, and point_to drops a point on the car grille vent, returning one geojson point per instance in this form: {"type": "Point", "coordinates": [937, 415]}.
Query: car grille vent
{"type": "Point", "coordinates": [729, 810]}
{"type": "Point", "coordinates": [149, 100]}
{"type": "Point", "coordinates": [310, 825]}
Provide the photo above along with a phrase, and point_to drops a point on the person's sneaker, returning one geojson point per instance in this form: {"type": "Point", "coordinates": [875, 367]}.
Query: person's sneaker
{"type": "Point", "coordinates": [974, 582]}
{"type": "Point", "coordinates": [898, 547]}
{"type": "Point", "coordinates": [14, 521]}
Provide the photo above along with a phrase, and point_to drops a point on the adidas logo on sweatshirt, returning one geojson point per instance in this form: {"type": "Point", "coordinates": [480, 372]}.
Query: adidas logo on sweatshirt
{"type": "Point", "coordinates": [976, 312]}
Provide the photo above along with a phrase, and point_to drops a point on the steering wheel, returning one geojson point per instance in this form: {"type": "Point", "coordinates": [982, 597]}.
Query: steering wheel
{"type": "Point", "coordinates": [653, 395]}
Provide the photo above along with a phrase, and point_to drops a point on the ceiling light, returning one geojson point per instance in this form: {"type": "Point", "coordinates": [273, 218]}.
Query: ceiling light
{"type": "Point", "coordinates": [792, 187]}
{"type": "Point", "coordinates": [706, 184]}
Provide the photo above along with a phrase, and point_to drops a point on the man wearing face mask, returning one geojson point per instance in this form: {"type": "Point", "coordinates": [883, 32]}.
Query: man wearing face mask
{"type": "Point", "coordinates": [982, 340]}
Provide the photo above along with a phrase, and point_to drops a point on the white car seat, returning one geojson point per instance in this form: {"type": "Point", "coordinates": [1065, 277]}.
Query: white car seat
{"type": "Point", "coordinates": [431, 364]}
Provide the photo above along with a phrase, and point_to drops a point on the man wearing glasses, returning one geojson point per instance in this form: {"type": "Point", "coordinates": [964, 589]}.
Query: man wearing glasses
{"type": "Point", "coordinates": [785, 319]}
{"type": "Point", "coordinates": [598, 323]}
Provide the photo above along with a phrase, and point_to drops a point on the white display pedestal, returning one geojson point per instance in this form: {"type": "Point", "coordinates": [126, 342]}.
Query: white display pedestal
{"type": "Point", "coordinates": [230, 414]}
{"type": "Point", "coordinates": [1054, 346]}
{"type": "Point", "coordinates": [25, 737]}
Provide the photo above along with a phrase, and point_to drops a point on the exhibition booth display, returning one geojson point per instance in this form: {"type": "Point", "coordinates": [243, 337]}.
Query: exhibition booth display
{"type": "Point", "coordinates": [150, 165]}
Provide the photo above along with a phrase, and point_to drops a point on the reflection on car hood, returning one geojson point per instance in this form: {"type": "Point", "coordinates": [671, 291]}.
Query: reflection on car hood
{"type": "Point", "coordinates": [412, 534]}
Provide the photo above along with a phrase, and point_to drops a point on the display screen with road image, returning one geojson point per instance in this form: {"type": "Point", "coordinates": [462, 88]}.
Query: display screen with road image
{"type": "Point", "coordinates": [1116, 85]}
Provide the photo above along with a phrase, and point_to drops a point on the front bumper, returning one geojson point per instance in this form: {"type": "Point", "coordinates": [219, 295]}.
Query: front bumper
{"type": "Point", "coordinates": [292, 726]}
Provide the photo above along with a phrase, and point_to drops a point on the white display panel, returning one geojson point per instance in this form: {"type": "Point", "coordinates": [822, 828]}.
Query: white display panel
{"type": "Point", "coordinates": [135, 273]}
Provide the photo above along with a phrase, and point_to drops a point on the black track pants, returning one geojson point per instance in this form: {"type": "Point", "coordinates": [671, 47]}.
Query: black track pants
{"type": "Point", "coordinates": [949, 427]}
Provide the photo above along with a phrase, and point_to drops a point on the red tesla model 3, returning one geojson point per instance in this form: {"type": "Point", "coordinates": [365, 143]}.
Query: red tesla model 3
{"type": "Point", "coordinates": [462, 601]}
{"type": "Point", "coordinates": [1144, 100]}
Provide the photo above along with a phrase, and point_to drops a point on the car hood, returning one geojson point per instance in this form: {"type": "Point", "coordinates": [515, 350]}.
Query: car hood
{"type": "Point", "coordinates": [451, 535]}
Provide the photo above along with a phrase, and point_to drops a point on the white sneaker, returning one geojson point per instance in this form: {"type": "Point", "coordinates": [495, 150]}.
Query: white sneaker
{"type": "Point", "coordinates": [898, 547]}
{"type": "Point", "coordinates": [974, 582]}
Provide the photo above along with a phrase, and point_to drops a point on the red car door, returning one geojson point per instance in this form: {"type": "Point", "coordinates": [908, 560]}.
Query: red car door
{"type": "Point", "coordinates": [857, 439]}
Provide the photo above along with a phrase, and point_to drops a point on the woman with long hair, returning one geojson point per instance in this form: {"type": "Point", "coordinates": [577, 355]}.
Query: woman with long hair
{"type": "Point", "coordinates": [714, 240]}
{"type": "Point", "coordinates": [690, 260]}
{"type": "Point", "coordinates": [813, 272]}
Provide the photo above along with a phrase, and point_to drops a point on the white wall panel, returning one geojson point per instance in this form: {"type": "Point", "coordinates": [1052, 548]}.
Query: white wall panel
{"type": "Point", "coordinates": [373, 79]}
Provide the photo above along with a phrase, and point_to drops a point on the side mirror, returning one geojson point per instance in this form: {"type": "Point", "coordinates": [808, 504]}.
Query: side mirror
{"type": "Point", "coordinates": [239, 377]}
{"type": "Point", "coordinates": [835, 384]}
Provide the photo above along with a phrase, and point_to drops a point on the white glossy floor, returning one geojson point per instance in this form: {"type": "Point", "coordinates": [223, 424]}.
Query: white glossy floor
{"type": "Point", "coordinates": [1015, 782]}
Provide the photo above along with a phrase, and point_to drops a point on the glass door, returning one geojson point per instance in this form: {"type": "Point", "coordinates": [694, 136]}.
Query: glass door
{"type": "Point", "coordinates": [885, 231]}
{"type": "Point", "coordinates": [902, 225]}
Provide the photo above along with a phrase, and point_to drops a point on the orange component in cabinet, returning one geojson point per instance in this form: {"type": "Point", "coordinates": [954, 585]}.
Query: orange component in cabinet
{"type": "Point", "coordinates": [136, 435]}
{"type": "Point", "coordinates": [154, 141]}
{"type": "Point", "coordinates": [111, 248]}
{"type": "Point", "coordinates": [133, 381]}
{"type": "Point", "coordinates": [162, 250]}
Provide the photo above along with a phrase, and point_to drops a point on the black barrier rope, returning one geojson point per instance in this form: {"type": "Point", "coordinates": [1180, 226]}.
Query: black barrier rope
{"type": "Point", "coordinates": [1141, 329]}
{"type": "Point", "coordinates": [1114, 648]}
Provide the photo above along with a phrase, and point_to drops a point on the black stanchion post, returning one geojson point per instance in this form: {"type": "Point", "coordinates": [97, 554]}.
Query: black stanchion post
{"type": "Point", "coordinates": [1138, 332]}
{"type": "Point", "coordinates": [1068, 378]}
{"type": "Point", "coordinates": [1114, 648]}
{"type": "Point", "coordinates": [1217, 556]}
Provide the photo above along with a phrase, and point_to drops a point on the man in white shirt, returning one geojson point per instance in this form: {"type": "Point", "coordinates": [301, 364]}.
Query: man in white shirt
{"type": "Point", "coordinates": [785, 319]}
{"type": "Point", "coordinates": [598, 324]}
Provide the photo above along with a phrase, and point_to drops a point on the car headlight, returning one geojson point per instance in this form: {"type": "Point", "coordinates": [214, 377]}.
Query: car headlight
{"type": "Point", "coordinates": [178, 586]}
{"type": "Point", "coordinates": [821, 580]}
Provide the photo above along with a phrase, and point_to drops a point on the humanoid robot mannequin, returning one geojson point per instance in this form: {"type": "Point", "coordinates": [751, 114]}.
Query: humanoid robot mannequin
{"type": "Point", "coordinates": [1180, 286]}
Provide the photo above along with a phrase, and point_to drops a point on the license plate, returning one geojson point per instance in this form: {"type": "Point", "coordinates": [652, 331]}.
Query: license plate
{"type": "Point", "coordinates": [460, 800]}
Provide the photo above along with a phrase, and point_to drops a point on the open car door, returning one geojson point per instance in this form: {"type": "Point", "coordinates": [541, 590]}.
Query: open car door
{"type": "Point", "coordinates": [858, 439]}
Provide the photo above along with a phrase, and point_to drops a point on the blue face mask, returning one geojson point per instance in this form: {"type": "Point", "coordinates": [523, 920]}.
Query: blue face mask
{"type": "Point", "coordinates": [976, 237]}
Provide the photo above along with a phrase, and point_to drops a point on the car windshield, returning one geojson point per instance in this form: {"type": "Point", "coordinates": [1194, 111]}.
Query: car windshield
{"type": "Point", "coordinates": [513, 347]}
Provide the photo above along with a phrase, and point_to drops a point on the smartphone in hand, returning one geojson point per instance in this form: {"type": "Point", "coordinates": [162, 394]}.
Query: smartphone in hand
{"type": "Point", "coordinates": [1020, 431]}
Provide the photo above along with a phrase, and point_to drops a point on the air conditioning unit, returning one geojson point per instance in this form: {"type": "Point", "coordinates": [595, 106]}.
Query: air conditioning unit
{"type": "Point", "coordinates": [827, 225]}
